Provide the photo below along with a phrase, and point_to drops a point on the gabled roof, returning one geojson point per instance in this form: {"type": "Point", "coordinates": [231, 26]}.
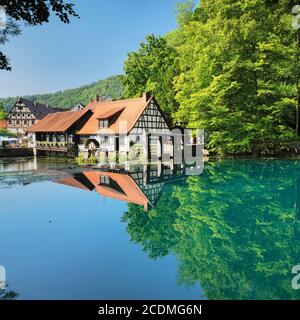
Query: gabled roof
{"type": "Point", "coordinates": [72, 182]}
{"type": "Point", "coordinates": [128, 191]}
{"type": "Point", "coordinates": [39, 110]}
{"type": "Point", "coordinates": [58, 122]}
{"type": "Point", "coordinates": [3, 124]}
{"type": "Point", "coordinates": [129, 112]}
{"type": "Point", "coordinates": [131, 191]}
{"type": "Point", "coordinates": [106, 114]}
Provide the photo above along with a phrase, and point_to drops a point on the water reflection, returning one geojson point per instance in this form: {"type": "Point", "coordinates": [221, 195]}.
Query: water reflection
{"type": "Point", "coordinates": [234, 229]}
{"type": "Point", "coordinates": [142, 185]}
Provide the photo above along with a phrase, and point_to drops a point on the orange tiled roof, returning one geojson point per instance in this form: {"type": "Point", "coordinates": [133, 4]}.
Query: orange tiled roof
{"type": "Point", "coordinates": [132, 193]}
{"type": "Point", "coordinates": [130, 110]}
{"type": "Point", "coordinates": [3, 124]}
{"type": "Point", "coordinates": [58, 122]}
{"type": "Point", "coordinates": [72, 182]}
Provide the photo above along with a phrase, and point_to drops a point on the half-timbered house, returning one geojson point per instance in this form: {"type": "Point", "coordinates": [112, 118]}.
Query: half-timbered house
{"type": "Point", "coordinates": [56, 134]}
{"type": "Point", "coordinates": [25, 113]}
{"type": "Point", "coordinates": [135, 127]}
{"type": "Point", "coordinates": [130, 129]}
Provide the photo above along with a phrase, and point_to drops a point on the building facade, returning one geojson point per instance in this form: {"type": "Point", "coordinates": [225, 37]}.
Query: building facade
{"type": "Point", "coordinates": [134, 128]}
{"type": "Point", "coordinates": [56, 134]}
{"type": "Point", "coordinates": [113, 131]}
{"type": "Point", "coordinates": [26, 113]}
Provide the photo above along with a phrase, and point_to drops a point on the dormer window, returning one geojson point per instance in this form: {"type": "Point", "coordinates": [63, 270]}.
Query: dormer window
{"type": "Point", "coordinates": [103, 123]}
{"type": "Point", "coordinates": [104, 180]}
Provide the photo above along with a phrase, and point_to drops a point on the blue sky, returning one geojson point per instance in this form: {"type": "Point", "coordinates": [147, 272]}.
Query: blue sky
{"type": "Point", "coordinates": [56, 56]}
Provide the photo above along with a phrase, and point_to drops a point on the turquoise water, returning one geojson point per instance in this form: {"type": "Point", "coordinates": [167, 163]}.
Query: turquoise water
{"type": "Point", "coordinates": [230, 232]}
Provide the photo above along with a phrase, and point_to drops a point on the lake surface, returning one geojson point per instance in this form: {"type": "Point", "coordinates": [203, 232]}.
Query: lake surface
{"type": "Point", "coordinates": [229, 232]}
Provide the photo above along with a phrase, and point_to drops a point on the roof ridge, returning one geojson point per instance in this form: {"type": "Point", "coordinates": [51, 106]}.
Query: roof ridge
{"type": "Point", "coordinates": [117, 101]}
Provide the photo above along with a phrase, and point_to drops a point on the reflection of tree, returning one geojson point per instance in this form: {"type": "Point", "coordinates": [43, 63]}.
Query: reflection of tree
{"type": "Point", "coordinates": [234, 229]}
{"type": "Point", "coordinates": [7, 294]}
{"type": "Point", "coordinates": [153, 229]}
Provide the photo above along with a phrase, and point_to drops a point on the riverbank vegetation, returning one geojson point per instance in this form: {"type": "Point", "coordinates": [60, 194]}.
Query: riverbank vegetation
{"type": "Point", "coordinates": [233, 69]}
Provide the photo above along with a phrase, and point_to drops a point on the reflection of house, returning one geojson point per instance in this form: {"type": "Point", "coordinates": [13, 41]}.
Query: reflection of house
{"type": "Point", "coordinates": [56, 133]}
{"type": "Point", "coordinates": [108, 184]}
{"type": "Point", "coordinates": [26, 113]}
{"type": "Point", "coordinates": [141, 186]}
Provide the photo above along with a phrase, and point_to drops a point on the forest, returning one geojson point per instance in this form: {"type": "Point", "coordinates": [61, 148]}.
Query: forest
{"type": "Point", "coordinates": [110, 88]}
{"type": "Point", "coordinates": [230, 67]}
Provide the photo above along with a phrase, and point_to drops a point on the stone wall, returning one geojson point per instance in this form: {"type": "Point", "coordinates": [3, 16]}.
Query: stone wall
{"type": "Point", "coordinates": [15, 152]}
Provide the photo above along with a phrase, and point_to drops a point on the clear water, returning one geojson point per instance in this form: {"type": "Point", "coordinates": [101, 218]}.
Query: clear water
{"type": "Point", "coordinates": [231, 232]}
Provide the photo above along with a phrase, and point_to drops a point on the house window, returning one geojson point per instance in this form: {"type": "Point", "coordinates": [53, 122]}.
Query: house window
{"type": "Point", "coordinates": [9, 121]}
{"type": "Point", "coordinates": [104, 139]}
{"type": "Point", "coordinates": [71, 138]}
{"type": "Point", "coordinates": [137, 139]}
{"type": "Point", "coordinates": [32, 121]}
{"type": "Point", "coordinates": [18, 122]}
{"type": "Point", "coordinates": [103, 123]}
{"type": "Point", "coordinates": [104, 179]}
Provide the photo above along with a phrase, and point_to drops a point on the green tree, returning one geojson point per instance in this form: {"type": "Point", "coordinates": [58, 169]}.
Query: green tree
{"type": "Point", "coordinates": [152, 68]}
{"type": "Point", "coordinates": [237, 75]}
{"type": "Point", "coordinates": [185, 11]}
{"type": "Point", "coordinates": [2, 111]}
{"type": "Point", "coordinates": [31, 12]}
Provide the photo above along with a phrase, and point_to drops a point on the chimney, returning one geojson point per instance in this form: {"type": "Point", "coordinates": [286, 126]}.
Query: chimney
{"type": "Point", "coordinates": [97, 97]}
{"type": "Point", "coordinates": [147, 96]}
{"type": "Point", "coordinates": [34, 103]}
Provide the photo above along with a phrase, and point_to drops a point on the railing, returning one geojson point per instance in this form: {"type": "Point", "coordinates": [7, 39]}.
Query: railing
{"type": "Point", "coordinates": [45, 145]}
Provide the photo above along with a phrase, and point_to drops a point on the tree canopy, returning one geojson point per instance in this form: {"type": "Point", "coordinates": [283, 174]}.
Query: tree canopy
{"type": "Point", "coordinates": [152, 68]}
{"type": "Point", "coordinates": [233, 68]}
{"type": "Point", "coordinates": [2, 111]}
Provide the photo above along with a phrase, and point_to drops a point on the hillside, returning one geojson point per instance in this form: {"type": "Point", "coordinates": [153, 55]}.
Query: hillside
{"type": "Point", "coordinates": [108, 88]}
